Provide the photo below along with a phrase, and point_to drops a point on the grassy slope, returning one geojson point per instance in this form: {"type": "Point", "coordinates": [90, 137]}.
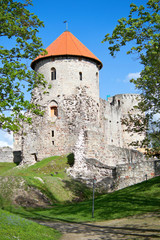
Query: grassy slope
{"type": "Point", "coordinates": [138, 199]}
{"type": "Point", "coordinates": [50, 177]}
{"type": "Point", "coordinates": [4, 167]}
{"type": "Point", "coordinates": [15, 227]}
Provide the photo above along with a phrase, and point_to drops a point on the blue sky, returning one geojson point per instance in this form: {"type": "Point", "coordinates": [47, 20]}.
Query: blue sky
{"type": "Point", "coordinates": [89, 21]}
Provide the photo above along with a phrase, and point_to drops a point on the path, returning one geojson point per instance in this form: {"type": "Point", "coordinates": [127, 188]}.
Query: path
{"type": "Point", "coordinates": [146, 227]}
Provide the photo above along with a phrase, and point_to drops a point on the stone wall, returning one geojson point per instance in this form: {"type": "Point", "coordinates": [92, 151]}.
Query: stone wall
{"type": "Point", "coordinates": [56, 135]}
{"type": "Point", "coordinates": [6, 154]}
{"type": "Point", "coordinates": [132, 173]}
{"type": "Point", "coordinates": [97, 147]}
{"type": "Point", "coordinates": [112, 112]}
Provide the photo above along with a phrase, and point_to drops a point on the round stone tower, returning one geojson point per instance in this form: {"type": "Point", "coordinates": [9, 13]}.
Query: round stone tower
{"type": "Point", "coordinates": [67, 65]}
{"type": "Point", "coordinates": [71, 101]}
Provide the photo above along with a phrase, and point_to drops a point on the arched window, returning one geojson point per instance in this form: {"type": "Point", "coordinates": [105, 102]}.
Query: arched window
{"type": "Point", "coordinates": [53, 73]}
{"type": "Point", "coordinates": [54, 111]}
{"type": "Point", "coordinates": [80, 76]}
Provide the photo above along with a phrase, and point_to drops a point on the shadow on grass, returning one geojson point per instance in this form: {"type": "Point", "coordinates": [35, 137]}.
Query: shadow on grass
{"type": "Point", "coordinates": [126, 202]}
{"type": "Point", "coordinates": [89, 229]}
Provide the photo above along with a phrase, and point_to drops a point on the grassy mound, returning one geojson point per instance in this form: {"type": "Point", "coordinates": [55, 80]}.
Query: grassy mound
{"type": "Point", "coordinates": [48, 176]}
{"type": "Point", "coordinates": [15, 227]}
{"type": "Point", "coordinates": [137, 199]}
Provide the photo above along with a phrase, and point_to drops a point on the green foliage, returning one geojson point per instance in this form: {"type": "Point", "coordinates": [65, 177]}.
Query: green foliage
{"type": "Point", "coordinates": [19, 29]}
{"type": "Point", "coordinates": [137, 199]}
{"type": "Point", "coordinates": [15, 227]}
{"type": "Point", "coordinates": [142, 28]}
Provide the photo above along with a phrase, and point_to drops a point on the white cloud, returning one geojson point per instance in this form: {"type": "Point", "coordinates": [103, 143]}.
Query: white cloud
{"type": "Point", "coordinates": [6, 139]}
{"type": "Point", "coordinates": [5, 144]}
{"type": "Point", "coordinates": [8, 136]}
{"type": "Point", "coordinates": [132, 75]}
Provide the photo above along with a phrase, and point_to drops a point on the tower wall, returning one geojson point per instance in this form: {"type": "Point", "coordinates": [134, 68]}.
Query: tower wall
{"type": "Point", "coordinates": [77, 106]}
{"type": "Point", "coordinates": [68, 70]}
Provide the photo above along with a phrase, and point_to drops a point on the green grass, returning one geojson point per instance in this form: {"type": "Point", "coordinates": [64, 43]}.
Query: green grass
{"type": "Point", "coordinates": [53, 165]}
{"type": "Point", "coordinates": [4, 167]}
{"type": "Point", "coordinates": [49, 176]}
{"type": "Point", "coordinates": [138, 199]}
{"type": "Point", "coordinates": [15, 227]}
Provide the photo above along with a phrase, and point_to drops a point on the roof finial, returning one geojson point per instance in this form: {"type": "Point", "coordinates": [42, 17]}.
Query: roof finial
{"type": "Point", "coordinates": [66, 25]}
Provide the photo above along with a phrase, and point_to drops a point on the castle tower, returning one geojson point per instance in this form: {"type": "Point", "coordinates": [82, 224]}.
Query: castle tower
{"type": "Point", "coordinates": [71, 101]}
{"type": "Point", "coordinates": [67, 65]}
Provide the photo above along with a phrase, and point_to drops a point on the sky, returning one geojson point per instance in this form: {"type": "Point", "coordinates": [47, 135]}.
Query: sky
{"type": "Point", "coordinates": [89, 21]}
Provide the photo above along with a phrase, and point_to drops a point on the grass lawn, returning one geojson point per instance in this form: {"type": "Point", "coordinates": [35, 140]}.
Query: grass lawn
{"type": "Point", "coordinates": [15, 227]}
{"type": "Point", "coordinates": [138, 199]}
{"type": "Point", "coordinates": [4, 167]}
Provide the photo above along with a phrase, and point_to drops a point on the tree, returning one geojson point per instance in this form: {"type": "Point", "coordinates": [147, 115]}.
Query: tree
{"type": "Point", "coordinates": [142, 28]}
{"type": "Point", "coordinates": [18, 33]}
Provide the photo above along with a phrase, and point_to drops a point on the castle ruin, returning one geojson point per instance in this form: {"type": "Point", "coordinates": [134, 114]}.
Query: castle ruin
{"type": "Point", "coordinates": [72, 106]}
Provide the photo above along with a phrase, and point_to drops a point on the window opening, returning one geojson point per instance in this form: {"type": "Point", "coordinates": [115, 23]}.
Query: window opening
{"type": "Point", "coordinates": [52, 133]}
{"type": "Point", "coordinates": [80, 76]}
{"type": "Point", "coordinates": [54, 111]}
{"type": "Point", "coordinates": [85, 134]}
{"type": "Point", "coordinates": [53, 74]}
{"type": "Point", "coordinates": [52, 142]}
{"type": "Point", "coordinates": [97, 75]}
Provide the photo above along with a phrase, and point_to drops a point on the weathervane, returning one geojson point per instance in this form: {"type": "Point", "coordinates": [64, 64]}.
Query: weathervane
{"type": "Point", "coordinates": [66, 24]}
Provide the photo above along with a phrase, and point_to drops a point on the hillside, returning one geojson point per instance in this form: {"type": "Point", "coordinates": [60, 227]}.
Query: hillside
{"type": "Point", "coordinates": [44, 191]}
{"type": "Point", "coordinates": [40, 185]}
{"type": "Point", "coordinates": [138, 199]}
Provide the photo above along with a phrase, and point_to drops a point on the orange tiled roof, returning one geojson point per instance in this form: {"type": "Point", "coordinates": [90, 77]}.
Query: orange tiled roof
{"type": "Point", "coordinates": [67, 44]}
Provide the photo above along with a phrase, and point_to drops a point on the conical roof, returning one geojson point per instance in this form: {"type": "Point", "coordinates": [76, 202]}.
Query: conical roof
{"type": "Point", "coordinates": [67, 45]}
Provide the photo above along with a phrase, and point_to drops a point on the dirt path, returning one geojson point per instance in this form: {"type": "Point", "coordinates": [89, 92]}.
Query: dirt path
{"type": "Point", "coordinates": [146, 227]}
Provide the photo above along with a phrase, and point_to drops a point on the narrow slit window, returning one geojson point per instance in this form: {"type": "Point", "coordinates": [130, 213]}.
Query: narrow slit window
{"type": "Point", "coordinates": [80, 76]}
{"type": "Point", "coordinates": [52, 142]}
{"type": "Point", "coordinates": [53, 74]}
{"type": "Point", "coordinates": [54, 111]}
{"type": "Point", "coordinates": [97, 75]}
{"type": "Point", "coordinates": [52, 133]}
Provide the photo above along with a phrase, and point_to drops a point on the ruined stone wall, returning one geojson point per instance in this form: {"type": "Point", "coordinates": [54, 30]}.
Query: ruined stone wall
{"type": "Point", "coordinates": [133, 173]}
{"type": "Point", "coordinates": [56, 135]}
{"type": "Point", "coordinates": [112, 112]}
{"type": "Point", "coordinates": [6, 154]}
{"type": "Point", "coordinates": [97, 147]}
{"type": "Point", "coordinates": [110, 122]}
{"type": "Point", "coordinates": [49, 136]}
{"type": "Point", "coordinates": [126, 103]}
